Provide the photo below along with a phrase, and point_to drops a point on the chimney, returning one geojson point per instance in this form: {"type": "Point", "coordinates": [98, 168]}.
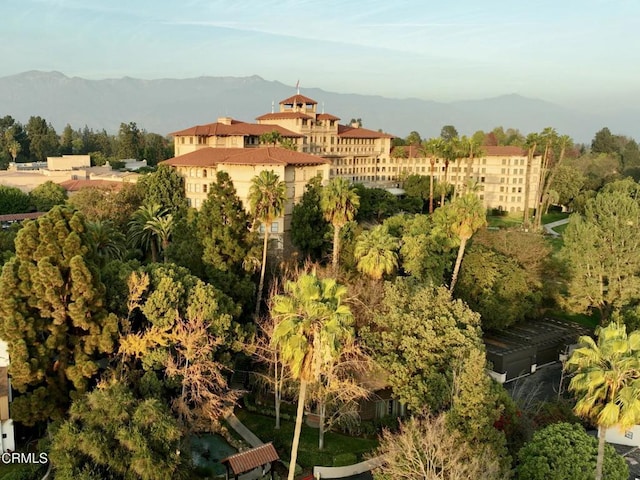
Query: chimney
{"type": "Point", "coordinates": [225, 120]}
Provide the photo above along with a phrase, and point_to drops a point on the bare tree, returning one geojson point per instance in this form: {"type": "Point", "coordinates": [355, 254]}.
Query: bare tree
{"type": "Point", "coordinates": [425, 448]}
{"type": "Point", "coordinates": [340, 389]}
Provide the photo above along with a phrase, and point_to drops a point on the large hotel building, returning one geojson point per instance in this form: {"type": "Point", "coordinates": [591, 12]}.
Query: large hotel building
{"type": "Point", "coordinates": [324, 146]}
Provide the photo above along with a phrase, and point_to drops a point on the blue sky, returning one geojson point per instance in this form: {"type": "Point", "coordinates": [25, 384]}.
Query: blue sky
{"type": "Point", "coordinates": [566, 51]}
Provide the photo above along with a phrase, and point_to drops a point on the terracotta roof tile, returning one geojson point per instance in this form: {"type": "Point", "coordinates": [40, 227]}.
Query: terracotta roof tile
{"type": "Point", "coordinates": [208, 157]}
{"type": "Point", "coordinates": [283, 115]}
{"type": "Point", "coordinates": [235, 128]}
{"type": "Point", "coordinates": [507, 150]}
{"type": "Point", "coordinates": [327, 116]}
{"type": "Point", "coordinates": [256, 457]}
{"type": "Point", "coordinates": [16, 217]}
{"type": "Point", "coordinates": [352, 132]}
{"type": "Point", "coordinates": [295, 99]}
{"type": "Point", "coordinates": [75, 185]}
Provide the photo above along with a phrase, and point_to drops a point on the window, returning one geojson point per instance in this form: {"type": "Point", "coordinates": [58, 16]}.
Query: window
{"type": "Point", "coordinates": [204, 188]}
{"type": "Point", "coordinates": [482, 178]}
{"type": "Point", "coordinates": [204, 173]}
{"type": "Point", "coordinates": [501, 189]}
{"type": "Point", "coordinates": [513, 189]}
{"type": "Point", "coordinates": [274, 227]}
{"type": "Point", "coordinates": [504, 161]}
{"type": "Point", "coordinates": [261, 228]}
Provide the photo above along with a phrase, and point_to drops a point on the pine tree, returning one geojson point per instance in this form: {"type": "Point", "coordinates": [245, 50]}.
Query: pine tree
{"type": "Point", "coordinates": [52, 315]}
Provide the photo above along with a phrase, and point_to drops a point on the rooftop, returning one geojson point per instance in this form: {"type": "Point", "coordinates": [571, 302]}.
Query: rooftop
{"type": "Point", "coordinates": [256, 457]}
{"type": "Point", "coordinates": [235, 127]}
{"type": "Point", "coordinates": [208, 157]}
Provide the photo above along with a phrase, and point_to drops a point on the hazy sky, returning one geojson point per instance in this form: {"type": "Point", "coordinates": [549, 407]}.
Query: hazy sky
{"type": "Point", "coordinates": [565, 51]}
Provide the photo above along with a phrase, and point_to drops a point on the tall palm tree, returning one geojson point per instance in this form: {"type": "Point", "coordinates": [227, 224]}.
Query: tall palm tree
{"type": "Point", "coordinates": [339, 204]}
{"type": "Point", "coordinates": [376, 252]}
{"type": "Point", "coordinates": [312, 327]}
{"type": "Point", "coordinates": [465, 214]}
{"type": "Point", "coordinates": [162, 228]}
{"type": "Point", "coordinates": [142, 236]}
{"type": "Point", "coordinates": [431, 149]}
{"type": "Point", "coordinates": [531, 144]}
{"type": "Point", "coordinates": [607, 381]}
{"type": "Point", "coordinates": [267, 196]}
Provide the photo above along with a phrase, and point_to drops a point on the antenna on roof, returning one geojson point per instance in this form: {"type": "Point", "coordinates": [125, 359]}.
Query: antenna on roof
{"type": "Point", "coordinates": [298, 87]}
{"type": "Point", "coordinates": [273, 106]}
{"type": "Point", "coordinates": [322, 107]}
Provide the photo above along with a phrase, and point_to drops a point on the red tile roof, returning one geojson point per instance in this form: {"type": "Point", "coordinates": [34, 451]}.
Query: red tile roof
{"type": "Point", "coordinates": [352, 132]}
{"type": "Point", "coordinates": [75, 185]}
{"type": "Point", "coordinates": [503, 150]}
{"type": "Point", "coordinates": [298, 99]}
{"type": "Point", "coordinates": [17, 217]}
{"type": "Point", "coordinates": [413, 151]}
{"type": "Point", "coordinates": [256, 457]}
{"type": "Point", "coordinates": [235, 128]}
{"type": "Point", "coordinates": [283, 115]}
{"type": "Point", "coordinates": [327, 116]}
{"type": "Point", "coordinates": [208, 157]}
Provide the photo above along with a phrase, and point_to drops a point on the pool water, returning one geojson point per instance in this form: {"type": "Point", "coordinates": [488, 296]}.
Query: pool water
{"type": "Point", "coordinates": [208, 450]}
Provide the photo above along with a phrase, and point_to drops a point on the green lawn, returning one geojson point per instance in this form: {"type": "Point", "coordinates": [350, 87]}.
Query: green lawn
{"type": "Point", "coordinates": [589, 321]}
{"type": "Point", "coordinates": [506, 221]}
{"type": "Point", "coordinates": [308, 453]}
{"type": "Point", "coordinates": [554, 217]}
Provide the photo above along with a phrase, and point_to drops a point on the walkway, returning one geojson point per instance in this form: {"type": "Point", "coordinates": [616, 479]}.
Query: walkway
{"type": "Point", "coordinates": [549, 227]}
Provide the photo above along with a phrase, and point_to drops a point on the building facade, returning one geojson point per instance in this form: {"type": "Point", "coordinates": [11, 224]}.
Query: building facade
{"type": "Point", "coordinates": [498, 174]}
{"type": "Point", "coordinates": [366, 156]}
{"type": "Point", "coordinates": [200, 166]}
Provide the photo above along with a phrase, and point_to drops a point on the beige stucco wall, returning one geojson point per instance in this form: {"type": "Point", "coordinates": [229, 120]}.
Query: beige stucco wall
{"type": "Point", "coordinates": [68, 162]}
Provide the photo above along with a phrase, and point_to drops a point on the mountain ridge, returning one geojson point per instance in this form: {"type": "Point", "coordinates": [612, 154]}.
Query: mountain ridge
{"type": "Point", "coordinates": [168, 104]}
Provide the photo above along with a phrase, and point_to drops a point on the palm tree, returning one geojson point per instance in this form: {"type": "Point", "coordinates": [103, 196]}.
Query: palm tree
{"type": "Point", "coordinates": [162, 228]}
{"type": "Point", "coordinates": [142, 236]}
{"type": "Point", "coordinates": [400, 153]}
{"type": "Point", "coordinates": [375, 252]}
{"type": "Point", "coordinates": [107, 243]}
{"type": "Point", "coordinates": [466, 214]}
{"type": "Point", "coordinates": [312, 326]}
{"type": "Point", "coordinates": [339, 204]}
{"type": "Point", "coordinates": [531, 144]}
{"type": "Point", "coordinates": [607, 381]}
{"type": "Point", "coordinates": [267, 196]}
{"type": "Point", "coordinates": [431, 148]}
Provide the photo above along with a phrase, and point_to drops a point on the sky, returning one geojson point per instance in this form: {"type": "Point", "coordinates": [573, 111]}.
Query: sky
{"type": "Point", "coordinates": [570, 52]}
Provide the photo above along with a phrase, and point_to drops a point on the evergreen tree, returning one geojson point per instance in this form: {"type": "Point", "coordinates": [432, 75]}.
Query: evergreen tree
{"type": "Point", "coordinates": [44, 197]}
{"type": "Point", "coordinates": [165, 187]}
{"type": "Point", "coordinates": [110, 434]}
{"type": "Point", "coordinates": [308, 226]}
{"type": "Point", "coordinates": [43, 139]}
{"type": "Point", "coordinates": [13, 200]}
{"type": "Point", "coordinates": [52, 315]}
{"type": "Point", "coordinates": [229, 247]}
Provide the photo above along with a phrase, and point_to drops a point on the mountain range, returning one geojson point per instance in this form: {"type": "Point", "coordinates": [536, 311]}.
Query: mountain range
{"type": "Point", "coordinates": [166, 105]}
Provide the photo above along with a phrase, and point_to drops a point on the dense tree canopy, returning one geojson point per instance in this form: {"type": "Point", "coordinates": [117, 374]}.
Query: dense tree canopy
{"type": "Point", "coordinates": [594, 244]}
{"type": "Point", "coordinates": [53, 315]}
{"type": "Point", "coordinates": [110, 434]}
{"type": "Point", "coordinates": [420, 336]}
{"type": "Point", "coordinates": [309, 229]}
{"type": "Point", "coordinates": [562, 451]}
{"type": "Point", "coordinates": [13, 200]}
{"type": "Point", "coordinates": [47, 195]}
{"type": "Point", "coordinates": [165, 187]}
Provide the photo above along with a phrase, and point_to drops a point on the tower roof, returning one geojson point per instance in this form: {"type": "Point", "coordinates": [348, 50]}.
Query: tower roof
{"type": "Point", "coordinates": [298, 99]}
